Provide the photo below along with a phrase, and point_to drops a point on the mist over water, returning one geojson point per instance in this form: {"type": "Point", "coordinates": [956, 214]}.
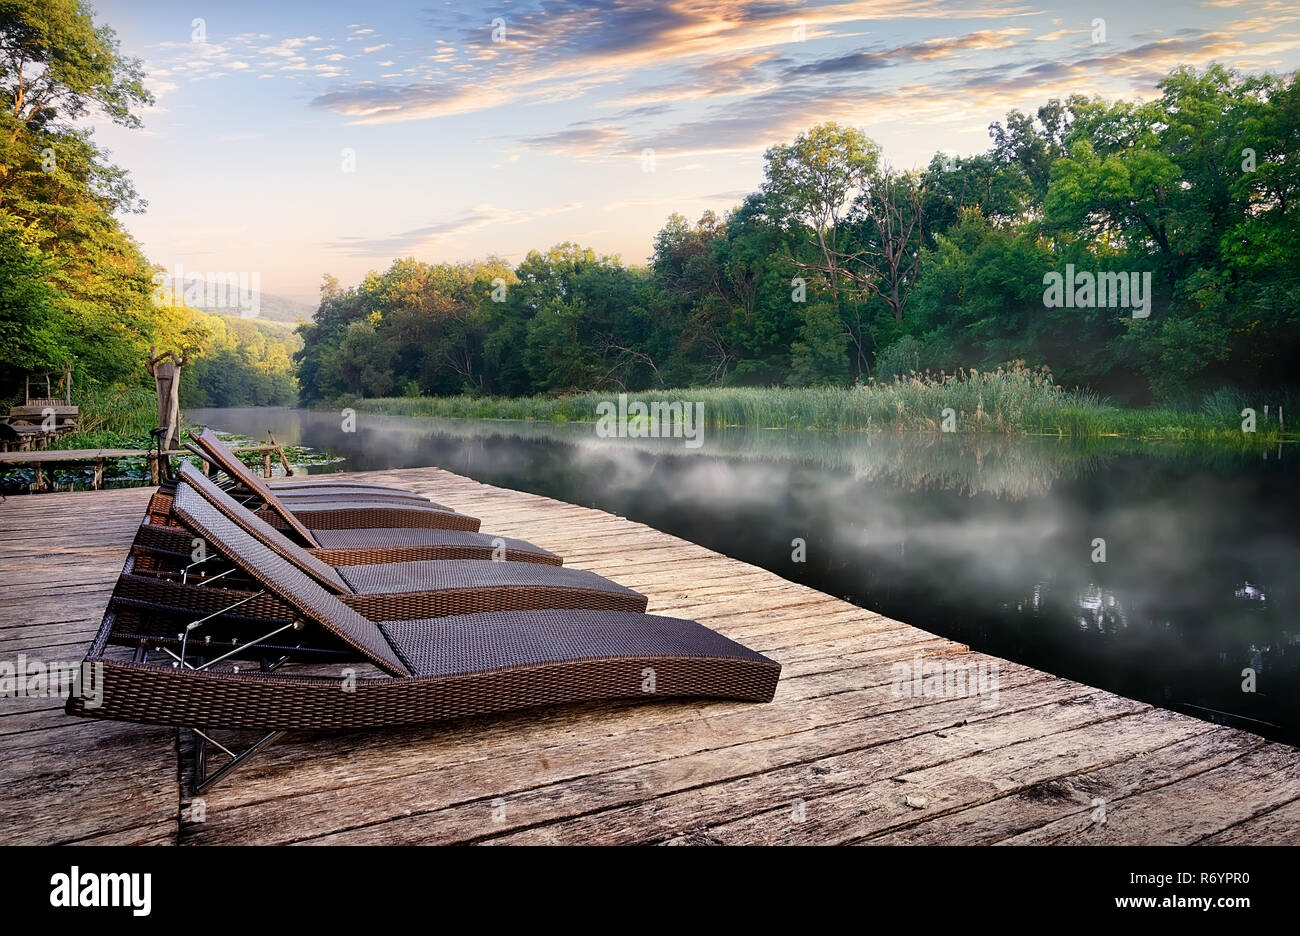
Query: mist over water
{"type": "Point", "coordinates": [988, 541]}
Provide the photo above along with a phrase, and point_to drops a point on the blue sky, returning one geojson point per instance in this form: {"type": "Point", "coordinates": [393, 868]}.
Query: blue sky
{"type": "Point", "coordinates": [464, 144]}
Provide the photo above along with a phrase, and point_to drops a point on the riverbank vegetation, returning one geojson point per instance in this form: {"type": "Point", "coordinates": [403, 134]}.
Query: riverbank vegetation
{"type": "Point", "coordinates": [842, 270]}
{"type": "Point", "coordinates": [1005, 400]}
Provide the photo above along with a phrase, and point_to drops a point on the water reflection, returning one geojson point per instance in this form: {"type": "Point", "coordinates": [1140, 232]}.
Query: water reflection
{"type": "Point", "coordinates": [990, 541]}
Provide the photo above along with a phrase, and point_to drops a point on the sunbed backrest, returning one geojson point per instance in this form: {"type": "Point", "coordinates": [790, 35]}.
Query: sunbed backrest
{"type": "Point", "coordinates": [263, 531]}
{"type": "Point", "coordinates": [229, 463]}
{"type": "Point", "coordinates": [282, 579]}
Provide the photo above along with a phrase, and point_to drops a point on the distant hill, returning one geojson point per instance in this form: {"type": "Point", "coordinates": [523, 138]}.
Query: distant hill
{"type": "Point", "coordinates": [221, 301]}
{"type": "Point", "coordinates": [283, 309]}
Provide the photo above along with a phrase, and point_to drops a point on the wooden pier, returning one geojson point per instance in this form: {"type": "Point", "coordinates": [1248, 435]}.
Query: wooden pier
{"type": "Point", "coordinates": [838, 757]}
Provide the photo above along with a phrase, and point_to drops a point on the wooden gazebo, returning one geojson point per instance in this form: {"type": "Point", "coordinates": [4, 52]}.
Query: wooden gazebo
{"type": "Point", "coordinates": [41, 418]}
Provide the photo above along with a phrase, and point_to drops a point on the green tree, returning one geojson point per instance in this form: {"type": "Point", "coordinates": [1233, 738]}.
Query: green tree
{"type": "Point", "coordinates": [819, 354]}
{"type": "Point", "coordinates": [56, 67]}
{"type": "Point", "coordinates": [32, 323]}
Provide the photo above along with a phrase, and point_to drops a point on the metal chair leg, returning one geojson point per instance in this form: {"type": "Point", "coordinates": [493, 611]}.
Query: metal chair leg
{"type": "Point", "coordinates": [202, 781]}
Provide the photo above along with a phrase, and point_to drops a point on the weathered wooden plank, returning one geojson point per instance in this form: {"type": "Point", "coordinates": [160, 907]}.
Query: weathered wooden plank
{"type": "Point", "coordinates": [1281, 824]}
{"type": "Point", "coordinates": [1078, 796]}
{"type": "Point", "coordinates": [612, 769]}
{"type": "Point", "coordinates": [1191, 809]}
{"type": "Point", "coordinates": [769, 778]}
{"type": "Point", "coordinates": [881, 803]}
{"type": "Point", "coordinates": [631, 731]}
{"type": "Point", "coordinates": [162, 832]}
{"type": "Point", "coordinates": [83, 783]}
{"type": "Point", "coordinates": [652, 801]}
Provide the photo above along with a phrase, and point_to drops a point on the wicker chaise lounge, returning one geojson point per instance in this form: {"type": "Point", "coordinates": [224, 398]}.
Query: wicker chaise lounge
{"type": "Point", "coordinates": [391, 590]}
{"type": "Point", "coordinates": [429, 669]}
{"type": "Point", "coordinates": [212, 449]}
{"type": "Point", "coordinates": [372, 547]}
{"type": "Point", "coordinates": [162, 532]}
{"type": "Point", "coordinates": [350, 545]}
{"type": "Point", "coordinates": [333, 510]}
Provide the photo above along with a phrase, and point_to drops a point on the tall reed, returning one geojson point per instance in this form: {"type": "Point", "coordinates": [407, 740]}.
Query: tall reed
{"type": "Point", "coordinates": [1007, 400]}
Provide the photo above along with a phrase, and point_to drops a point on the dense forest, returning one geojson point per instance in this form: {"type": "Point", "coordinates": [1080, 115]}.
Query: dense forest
{"type": "Point", "coordinates": [842, 268]}
{"type": "Point", "coordinates": [74, 287]}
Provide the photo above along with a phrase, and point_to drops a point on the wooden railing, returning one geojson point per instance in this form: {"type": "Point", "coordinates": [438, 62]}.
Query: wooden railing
{"type": "Point", "coordinates": [98, 458]}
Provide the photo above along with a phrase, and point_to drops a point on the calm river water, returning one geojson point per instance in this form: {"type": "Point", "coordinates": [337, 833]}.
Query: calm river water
{"type": "Point", "coordinates": [990, 541]}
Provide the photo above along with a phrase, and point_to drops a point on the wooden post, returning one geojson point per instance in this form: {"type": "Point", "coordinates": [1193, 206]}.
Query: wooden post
{"type": "Point", "coordinates": [98, 482]}
{"type": "Point", "coordinates": [153, 468]}
{"type": "Point", "coordinates": [284, 461]}
{"type": "Point", "coordinates": [266, 464]}
{"type": "Point", "coordinates": [166, 371]}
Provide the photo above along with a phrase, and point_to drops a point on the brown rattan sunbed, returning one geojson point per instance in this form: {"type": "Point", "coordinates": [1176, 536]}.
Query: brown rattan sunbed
{"type": "Point", "coordinates": [429, 669]}
{"type": "Point", "coordinates": [337, 510]}
{"type": "Point", "coordinates": [391, 590]}
{"type": "Point", "coordinates": [208, 446]}
{"type": "Point", "coordinates": [162, 532]}
{"type": "Point", "coordinates": [372, 547]}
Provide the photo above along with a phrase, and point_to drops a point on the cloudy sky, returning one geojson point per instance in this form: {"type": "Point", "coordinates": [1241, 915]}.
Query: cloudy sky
{"type": "Point", "coordinates": [299, 138]}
